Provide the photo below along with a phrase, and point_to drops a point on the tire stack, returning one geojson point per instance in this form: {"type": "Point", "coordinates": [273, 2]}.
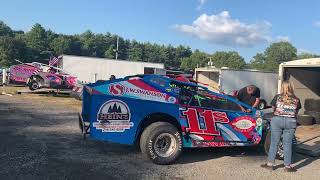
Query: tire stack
{"type": "Point", "coordinates": [311, 114]}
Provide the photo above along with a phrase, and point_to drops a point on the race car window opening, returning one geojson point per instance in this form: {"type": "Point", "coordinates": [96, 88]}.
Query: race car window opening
{"type": "Point", "coordinates": [159, 81]}
{"type": "Point", "coordinates": [179, 86]}
{"type": "Point", "coordinates": [205, 100]}
{"type": "Point", "coordinates": [185, 96]}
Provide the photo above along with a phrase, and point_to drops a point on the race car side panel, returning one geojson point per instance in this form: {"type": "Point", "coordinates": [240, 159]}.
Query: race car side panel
{"type": "Point", "coordinates": [217, 128]}
{"type": "Point", "coordinates": [116, 119]}
{"type": "Point", "coordinates": [21, 73]}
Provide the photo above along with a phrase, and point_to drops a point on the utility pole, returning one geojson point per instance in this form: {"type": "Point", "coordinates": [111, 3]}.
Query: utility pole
{"type": "Point", "coordinates": [117, 48]}
{"type": "Point", "coordinates": [210, 63]}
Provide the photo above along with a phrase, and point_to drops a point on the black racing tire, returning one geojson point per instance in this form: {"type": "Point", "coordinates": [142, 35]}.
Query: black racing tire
{"type": "Point", "coordinates": [157, 135]}
{"type": "Point", "coordinates": [315, 115]}
{"type": "Point", "coordinates": [312, 105]}
{"type": "Point", "coordinates": [280, 152]}
{"type": "Point", "coordinates": [305, 119]}
{"type": "Point", "coordinates": [34, 85]}
{"type": "Point", "coordinates": [262, 104]}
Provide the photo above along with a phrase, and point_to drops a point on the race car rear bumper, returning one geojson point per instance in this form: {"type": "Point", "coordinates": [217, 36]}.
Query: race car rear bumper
{"type": "Point", "coordinates": [84, 127]}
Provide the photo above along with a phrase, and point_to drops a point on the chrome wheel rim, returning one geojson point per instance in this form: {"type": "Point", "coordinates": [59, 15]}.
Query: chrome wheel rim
{"type": "Point", "coordinates": [261, 106]}
{"type": "Point", "coordinates": [165, 145]}
{"type": "Point", "coordinates": [35, 85]}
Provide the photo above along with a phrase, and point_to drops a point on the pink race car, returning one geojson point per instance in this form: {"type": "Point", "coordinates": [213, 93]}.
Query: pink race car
{"type": "Point", "coordinates": [37, 75]}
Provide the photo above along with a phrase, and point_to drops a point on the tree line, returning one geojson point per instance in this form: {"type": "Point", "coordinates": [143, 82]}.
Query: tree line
{"type": "Point", "coordinates": [39, 44]}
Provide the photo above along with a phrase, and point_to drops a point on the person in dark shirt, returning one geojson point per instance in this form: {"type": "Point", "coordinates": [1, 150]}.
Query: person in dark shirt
{"type": "Point", "coordinates": [249, 95]}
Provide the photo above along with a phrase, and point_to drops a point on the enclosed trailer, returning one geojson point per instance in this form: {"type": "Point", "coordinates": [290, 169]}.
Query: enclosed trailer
{"type": "Point", "coordinates": [228, 80]}
{"type": "Point", "coordinates": [91, 69]}
{"type": "Point", "coordinates": [305, 76]}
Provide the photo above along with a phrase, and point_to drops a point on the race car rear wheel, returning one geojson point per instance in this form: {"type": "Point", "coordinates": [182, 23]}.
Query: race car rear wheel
{"type": "Point", "coordinates": [161, 143]}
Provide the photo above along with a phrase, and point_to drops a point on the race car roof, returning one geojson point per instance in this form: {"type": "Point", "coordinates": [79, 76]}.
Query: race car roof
{"type": "Point", "coordinates": [164, 77]}
{"type": "Point", "coordinates": [142, 76]}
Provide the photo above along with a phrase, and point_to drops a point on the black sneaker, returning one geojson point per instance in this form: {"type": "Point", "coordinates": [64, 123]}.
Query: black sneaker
{"type": "Point", "coordinates": [290, 169]}
{"type": "Point", "coordinates": [266, 166]}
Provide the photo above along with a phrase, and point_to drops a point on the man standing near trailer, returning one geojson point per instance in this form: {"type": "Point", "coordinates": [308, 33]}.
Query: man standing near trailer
{"type": "Point", "coordinates": [249, 95]}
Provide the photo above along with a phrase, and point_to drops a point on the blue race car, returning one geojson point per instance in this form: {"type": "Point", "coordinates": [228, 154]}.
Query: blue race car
{"type": "Point", "coordinates": [164, 115]}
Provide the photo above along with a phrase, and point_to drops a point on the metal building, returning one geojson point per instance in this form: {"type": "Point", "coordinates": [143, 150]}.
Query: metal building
{"type": "Point", "coordinates": [90, 69]}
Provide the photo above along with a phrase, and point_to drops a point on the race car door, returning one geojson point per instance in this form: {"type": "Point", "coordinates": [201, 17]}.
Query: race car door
{"type": "Point", "coordinates": [217, 120]}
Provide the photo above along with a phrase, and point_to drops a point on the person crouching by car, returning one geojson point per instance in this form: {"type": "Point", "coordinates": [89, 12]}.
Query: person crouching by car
{"type": "Point", "coordinates": [249, 95]}
{"type": "Point", "coordinates": [286, 106]}
{"type": "Point", "coordinates": [112, 77]}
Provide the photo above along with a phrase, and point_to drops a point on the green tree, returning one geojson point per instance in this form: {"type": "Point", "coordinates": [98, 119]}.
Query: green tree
{"type": "Point", "coordinates": [87, 40]}
{"type": "Point", "coordinates": [150, 54]}
{"type": "Point", "coordinates": [75, 47]}
{"type": "Point", "coordinates": [258, 62]}
{"type": "Point", "coordinates": [229, 59]}
{"type": "Point", "coordinates": [10, 49]}
{"type": "Point", "coordinates": [61, 45]}
{"type": "Point", "coordinates": [197, 59]}
{"type": "Point", "coordinates": [135, 51]}
{"type": "Point", "coordinates": [307, 56]}
{"type": "Point", "coordinates": [110, 53]}
{"type": "Point", "coordinates": [278, 53]}
{"type": "Point", "coordinates": [36, 38]}
{"type": "Point", "coordinates": [99, 47]}
{"type": "Point", "coordinates": [180, 52]}
{"type": "Point", "coordinates": [163, 54]}
{"type": "Point", "coordinates": [5, 30]}
{"type": "Point", "coordinates": [50, 35]}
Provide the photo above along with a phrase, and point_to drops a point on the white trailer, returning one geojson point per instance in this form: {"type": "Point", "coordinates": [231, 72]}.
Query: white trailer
{"type": "Point", "coordinates": [305, 76]}
{"type": "Point", "coordinates": [228, 80]}
{"type": "Point", "coordinates": [91, 69]}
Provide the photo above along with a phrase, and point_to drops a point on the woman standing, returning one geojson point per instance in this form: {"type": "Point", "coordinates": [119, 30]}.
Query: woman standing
{"type": "Point", "coordinates": [286, 106]}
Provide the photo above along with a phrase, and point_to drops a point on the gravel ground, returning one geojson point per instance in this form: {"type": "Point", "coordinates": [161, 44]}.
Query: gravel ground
{"type": "Point", "coordinates": [40, 141]}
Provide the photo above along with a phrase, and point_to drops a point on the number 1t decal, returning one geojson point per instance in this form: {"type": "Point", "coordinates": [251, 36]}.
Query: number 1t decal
{"type": "Point", "coordinates": [210, 119]}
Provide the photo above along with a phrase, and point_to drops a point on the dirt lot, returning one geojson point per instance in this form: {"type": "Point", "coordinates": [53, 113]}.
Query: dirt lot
{"type": "Point", "coordinates": [40, 140]}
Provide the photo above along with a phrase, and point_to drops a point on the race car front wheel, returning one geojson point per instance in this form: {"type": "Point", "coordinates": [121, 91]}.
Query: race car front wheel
{"type": "Point", "coordinates": [161, 143]}
{"type": "Point", "coordinates": [262, 105]}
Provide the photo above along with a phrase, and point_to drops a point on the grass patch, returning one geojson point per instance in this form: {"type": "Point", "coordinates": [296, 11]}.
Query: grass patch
{"type": "Point", "coordinates": [54, 99]}
{"type": "Point", "coordinates": [11, 89]}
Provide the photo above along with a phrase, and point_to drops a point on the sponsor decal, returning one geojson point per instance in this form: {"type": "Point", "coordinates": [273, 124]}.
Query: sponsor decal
{"type": "Point", "coordinates": [113, 116]}
{"type": "Point", "coordinates": [243, 124]}
{"type": "Point", "coordinates": [118, 89]}
{"type": "Point", "coordinates": [259, 121]}
{"type": "Point", "coordinates": [209, 124]}
{"type": "Point", "coordinates": [196, 137]}
{"type": "Point", "coordinates": [256, 138]}
{"type": "Point", "coordinates": [172, 99]}
{"type": "Point", "coordinates": [196, 143]}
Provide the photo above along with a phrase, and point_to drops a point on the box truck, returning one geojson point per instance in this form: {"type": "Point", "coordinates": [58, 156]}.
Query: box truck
{"type": "Point", "coordinates": [305, 76]}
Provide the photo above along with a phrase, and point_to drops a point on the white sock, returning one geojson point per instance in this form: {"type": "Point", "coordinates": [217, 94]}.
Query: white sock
{"type": "Point", "coordinates": [269, 164]}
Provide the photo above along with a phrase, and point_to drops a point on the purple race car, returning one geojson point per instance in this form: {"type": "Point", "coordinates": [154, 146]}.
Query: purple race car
{"type": "Point", "coordinates": [37, 75]}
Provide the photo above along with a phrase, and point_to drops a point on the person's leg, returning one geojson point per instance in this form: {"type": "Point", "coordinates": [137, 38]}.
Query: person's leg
{"type": "Point", "coordinates": [288, 135]}
{"type": "Point", "coordinates": [276, 131]}
{"type": "Point", "coordinates": [287, 145]}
